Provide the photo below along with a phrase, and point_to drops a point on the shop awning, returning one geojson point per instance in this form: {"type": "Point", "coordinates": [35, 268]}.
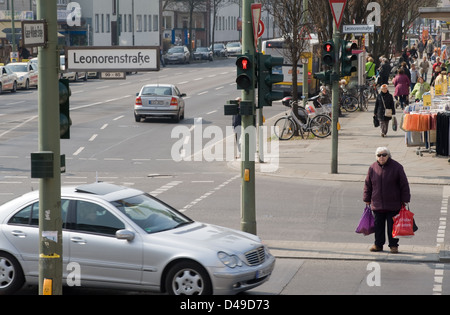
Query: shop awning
{"type": "Point", "coordinates": [435, 13]}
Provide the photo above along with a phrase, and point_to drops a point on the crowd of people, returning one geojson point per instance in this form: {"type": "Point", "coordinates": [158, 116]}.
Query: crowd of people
{"type": "Point", "coordinates": [411, 80]}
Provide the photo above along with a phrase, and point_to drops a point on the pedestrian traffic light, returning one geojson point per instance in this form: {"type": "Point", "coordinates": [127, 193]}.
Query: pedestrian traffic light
{"type": "Point", "coordinates": [324, 76]}
{"type": "Point", "coordinates": [328, 53]}
{"type": "Point", "coordinates": [266, 79]}
{"type": "Point", "coordinates": [245, 72]}
{"type": "Point", "coordinates": [64, 111]}
{"type": "Point", "coordinates": [347, 58]}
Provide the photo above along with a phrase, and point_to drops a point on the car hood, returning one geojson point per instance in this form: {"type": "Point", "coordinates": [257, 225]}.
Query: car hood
{"type": "Point", "coordinates": [210, 236]}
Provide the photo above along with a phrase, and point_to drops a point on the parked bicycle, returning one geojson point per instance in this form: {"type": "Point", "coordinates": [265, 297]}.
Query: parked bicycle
{"type": "Point", "coordinates": [347, 101]}
{"type": "Point", "coordinates": [287, 126]}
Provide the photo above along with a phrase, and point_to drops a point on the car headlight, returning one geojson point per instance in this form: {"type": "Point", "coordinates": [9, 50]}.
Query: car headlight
{"type": "Point", "coordinates": [229, 260]}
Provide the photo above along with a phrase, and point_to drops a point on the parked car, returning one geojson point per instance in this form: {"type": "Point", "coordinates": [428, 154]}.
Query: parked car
{"type": "Point", "coordinates": [177, 54]}
{"type": "Point", "coordinates": [203, 53]}
{"type": "Point", "coordinates": [8, 80]}
{"type": "Point", "coordinates": [219, 50]}
{"type": "Point", "coordinates": [159, 100]}
{"type": "Point", "coordinates": [234, 48]}
{"type": "Point", "coordinates": [124, 238]}
{"type": "Point", "coordinates": [27, 74]}
{"type": "Point", "coordinates": [70, 75]}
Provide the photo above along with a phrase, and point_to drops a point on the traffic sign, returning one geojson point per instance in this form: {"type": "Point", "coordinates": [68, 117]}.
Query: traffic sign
{"type": "Point", "coordinates": [256, 17]}
{"type": "Point", "coordinates": [337, 8]}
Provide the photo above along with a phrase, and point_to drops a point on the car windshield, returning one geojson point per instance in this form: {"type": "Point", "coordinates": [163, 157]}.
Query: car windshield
{"type": "Point", "coordinates": [202, 49]}
{"type": "Point", "coordinates": [156, 90]}
{"type": "Point", "coordinates": [218, 46]}
{"type": "Point", "coordinates": [176, 50]}
{"type": "Point", "coordinates": [234, 45]}
{"type": "Point", "coordinates": [150, 214]}
{"type": "Point", "coordinates": [17, 68]}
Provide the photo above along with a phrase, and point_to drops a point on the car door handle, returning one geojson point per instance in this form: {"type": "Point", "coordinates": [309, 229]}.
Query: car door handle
{"type": "Point", "coordinates": [19, 234]}
{"type": "Point", "coordinates": [78, 240]}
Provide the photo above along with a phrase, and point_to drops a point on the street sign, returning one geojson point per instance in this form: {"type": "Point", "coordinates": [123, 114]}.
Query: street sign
{"type": "Point", "coordinates": [256, 17]}
{"type": "Point", "coordinates": [112, 59]}
{"type": "Point", "coordinates": [337, 8]}
{"type": "Point", "coordinates": [358, 29]}
{"type": "Point", "coordinates": [34, 33]}
{"type": "Point", "coordinates": [118, 75]}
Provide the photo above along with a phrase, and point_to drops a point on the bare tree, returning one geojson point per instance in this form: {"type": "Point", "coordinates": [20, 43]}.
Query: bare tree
{"type": "Point", "coordinates": [396, 17]}
{"type": "Point", "coordinates": [288, 15]}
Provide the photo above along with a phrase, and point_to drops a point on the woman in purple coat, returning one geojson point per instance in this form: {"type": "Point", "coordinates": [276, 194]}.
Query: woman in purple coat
{"type": "Point", "coordinates": [386, 189]}
{"type": "Point", "coordinates": [402, 84]}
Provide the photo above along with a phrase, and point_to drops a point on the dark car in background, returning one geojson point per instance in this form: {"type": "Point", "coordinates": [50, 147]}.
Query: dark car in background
{"type": "Point", "coordinates": [203, 53]}
{"type": "Point", "coordinates": [219, 50]}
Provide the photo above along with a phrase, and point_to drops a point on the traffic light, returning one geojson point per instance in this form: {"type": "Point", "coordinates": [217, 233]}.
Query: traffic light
{"type": "Point", "coordinates": [328, 53]}
{"type": "Point", "coordinates": [245, 72]}
{"type": "Point", "coordinates": [266, 78]}
{"type": "Point", "coordinates": [347, 58]}
{"type": "Point", "coordinates": [324, 77]}
{"type": "Point", "coordinates": [64, 111]}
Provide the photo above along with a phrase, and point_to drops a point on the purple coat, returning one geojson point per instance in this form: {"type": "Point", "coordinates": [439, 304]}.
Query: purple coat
{"type": "Point", "coordinates": [386, 187]}
{"type": "Point", "coordinates": [402, 84]}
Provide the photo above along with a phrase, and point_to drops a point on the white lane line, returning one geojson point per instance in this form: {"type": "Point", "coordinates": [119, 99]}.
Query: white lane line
{"type": "Point", "coordinates": [78, 151]}
{"type": "Point", "coordinates": [207, 194]}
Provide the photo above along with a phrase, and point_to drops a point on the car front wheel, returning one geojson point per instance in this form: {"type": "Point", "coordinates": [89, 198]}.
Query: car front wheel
{"type": "Point", "coordinates": [188, 278]}
{"type": "Point", "coordinates": [11, 274]}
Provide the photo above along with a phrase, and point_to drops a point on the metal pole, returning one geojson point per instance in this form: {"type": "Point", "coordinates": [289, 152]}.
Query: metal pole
{"type": "Point", "coordinates": [248, 215]}
{"type": "Point", "coordinates": [305, 66]}
{"type": "Point", "coordinates": [50, 223]}
{"type": "Point", "coordinates": [335, 102]}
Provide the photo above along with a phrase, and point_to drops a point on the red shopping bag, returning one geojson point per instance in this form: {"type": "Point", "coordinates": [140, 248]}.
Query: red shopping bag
{"type": "Point", "coordinates": [403, 224]}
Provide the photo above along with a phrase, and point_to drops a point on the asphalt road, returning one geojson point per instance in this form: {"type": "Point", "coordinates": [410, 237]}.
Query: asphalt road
{"type": "Point", "coordinates": [108, 145]}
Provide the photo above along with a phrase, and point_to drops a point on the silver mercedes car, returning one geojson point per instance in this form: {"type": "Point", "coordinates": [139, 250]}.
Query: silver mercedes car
{"type": "Point", "coordinates": [159, 100]}
{"type": "Point", "coordinates": [126, 239]}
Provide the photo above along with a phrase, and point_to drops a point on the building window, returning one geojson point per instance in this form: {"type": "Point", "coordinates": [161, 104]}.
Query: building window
{"type": "Point", "coordinates": [97, 24]}
{"type": "Point", "coordinates": [145, 23]}
{"type": "Point", "coordinates": [155, 23]}
{"type": "Point", "coordinates": [139, 23]}
{"type": "Point", "coordinates": [130, 23]}
{"type": "Point", "coordinates": [108, 23]}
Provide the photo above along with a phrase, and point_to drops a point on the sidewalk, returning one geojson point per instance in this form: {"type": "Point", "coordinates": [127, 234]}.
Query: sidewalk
{"type": "Point", "coordinates": [357, 142]}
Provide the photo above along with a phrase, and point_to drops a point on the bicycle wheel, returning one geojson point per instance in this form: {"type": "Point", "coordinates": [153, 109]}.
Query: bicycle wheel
{"type": "Point", "coordinates": [320, 126]}
{"type": "Point", "coordinates": [284, 128]}
{"type": "Point", "coordinates": [350, 103]}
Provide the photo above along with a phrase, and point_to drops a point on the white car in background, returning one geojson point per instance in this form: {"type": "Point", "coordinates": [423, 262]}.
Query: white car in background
{"type": "Point", "coordinates": [234, 48]}
{"type": "Point", "coordinates": [70, 75]}
{"type": "Point", "coordinates": [27, 74]}
{"type": "Point", "coordinates": [8, 80]}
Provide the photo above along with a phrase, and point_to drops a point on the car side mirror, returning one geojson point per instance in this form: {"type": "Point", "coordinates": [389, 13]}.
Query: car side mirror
{"type": "Point", "coordinates": [125, 235]}
{"type": "Point", "coordinates": [183, 95]}
{"type": "Point", "coordinates": [137, 94]}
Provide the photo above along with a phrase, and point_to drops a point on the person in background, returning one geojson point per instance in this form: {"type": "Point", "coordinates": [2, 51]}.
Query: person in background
{"type": "Point", "coordinates": [402, 85]}
{"type": "Point", "coordinates": [386, 189]}
{"type": "Point", "coordinates": [370, 68]}
{"type": "Point", "coordinates": [384, 100]}
{"type": "Point", "coordinates": [414, 75]}
{"type": "Point", "coordinates": [385, 70]}
{"type": "Point", "coordinates": [424, 65]}
{"type": "Point", "coordinates": [419, 89]}
{"type": "Point", "coordinates": [236, 122]}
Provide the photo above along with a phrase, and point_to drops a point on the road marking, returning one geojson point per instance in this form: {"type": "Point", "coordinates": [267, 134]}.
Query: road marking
{"type": "Point", "coordinates": [117, 118]}
{"type": "Point", "coordinates": [202, 93]}
{"type": "Point", "coordinates": [18, 126]}
{"type": "Point", "coordinates": [440, 240]}
{"type": "Point", "coordinates": [78, 151]}
{"type": "Point", "coordinates": [165, 188]}
{"type": "Point", "coordinates": [211, 112]}
{"type": "Point", "coordinates": [209, 193]}
{"type": "Point", "coordinates": [104, 126]}
{"type": "Point", "coordinates": [93, 137]}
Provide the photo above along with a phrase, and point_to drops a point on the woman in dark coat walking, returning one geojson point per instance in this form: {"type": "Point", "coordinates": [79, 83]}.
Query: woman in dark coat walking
{"type": "Point", "coordinates": [384, 101]}
{"type": "Point", "coordinates": [386, 189]}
